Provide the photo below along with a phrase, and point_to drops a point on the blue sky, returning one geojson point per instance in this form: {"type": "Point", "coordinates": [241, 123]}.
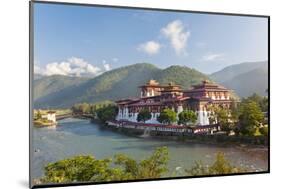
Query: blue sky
{"type": "Point", "coordinates": [79, 40]}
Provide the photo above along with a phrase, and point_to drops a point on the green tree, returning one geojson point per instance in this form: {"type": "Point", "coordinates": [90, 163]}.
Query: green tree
{"type": "Point", "coordinates": [76, 109]}
{"type": "Point", "coordinates": [38, 115]}
{"type": "Point", "coordinates": [152, 167]}
{"type": "Point", "coordinates": [88, 168]}
{"type": "Point", "coordinates": [167, 116]}
{"type": "Point", "coordinates": [212, 118]}
{"type": "Point", "coordinates": [264, 104]}
{"type": "Point", "coordinates": [85, 108]}
{"type": "Point", "coordinates": [81, 108]}
{"type": "Point", "coordinates": [92, 109]}
{"type": "Point", "coordinates": [264, 131]}
{"type": "Point", "coordinates": [187, 116]}
{"type": "Point", "coordinates": [234, 111]}
{"type": "Point", "coordinates": [144, 115]}
{"type": "Point", "coordinates": [198, 169]}
{"type": "Point", "coordinates": [221, 116]}
{"type": "Point", "coordinates": [250, 117]}
{"type": "Point", "coordinates": [127, 165]}
{"type": "Point", "coordinates": [77, 169]}
{"type": "Point", "coordinates": [260, 100]}
{"type": "Point", "coordinates": [254, 97]}
{"type": "Point", "coordinates": [155, 165]}
{"type": "Point", "coordinates": [220, 166]}
{"type": "Point", "coordinates": [107, 113]}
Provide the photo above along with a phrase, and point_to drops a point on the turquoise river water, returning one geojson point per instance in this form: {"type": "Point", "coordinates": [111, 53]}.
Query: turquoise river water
{"type": "Point", "coordinates": [76, 136]}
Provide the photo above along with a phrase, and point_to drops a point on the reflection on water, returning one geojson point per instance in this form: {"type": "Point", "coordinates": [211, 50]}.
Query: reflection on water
{"type": "Point", "coordinates": [75, 136]}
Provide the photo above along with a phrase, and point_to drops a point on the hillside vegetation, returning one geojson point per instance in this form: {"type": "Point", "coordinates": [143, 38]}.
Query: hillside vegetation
{"type": "Point", "coordinates": [119, 83]}
{"type": "Point", "coordinates": [245, 78]}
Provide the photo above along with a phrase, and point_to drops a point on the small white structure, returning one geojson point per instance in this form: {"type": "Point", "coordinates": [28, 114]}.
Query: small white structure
{"type": "Point", "coordinates": [51, 116]}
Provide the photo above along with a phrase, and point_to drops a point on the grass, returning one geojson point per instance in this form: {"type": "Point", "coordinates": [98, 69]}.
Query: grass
{"type": "Point", "coordinates": [43, 123]}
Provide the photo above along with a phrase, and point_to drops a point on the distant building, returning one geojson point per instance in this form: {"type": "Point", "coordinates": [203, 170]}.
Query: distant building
{"type": "Point", "coordinates": [156, 97]}
{"type": "Point", "coordinates": [50, 115]}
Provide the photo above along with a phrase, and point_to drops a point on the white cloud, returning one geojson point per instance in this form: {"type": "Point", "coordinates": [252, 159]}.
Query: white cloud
{"type": "Point", "coordinates": [37, 69]}
{"type": "Point", "coordinates": [79, 62]}
{"type": "Point", "coordinates": [150, 47]}
{"type": "Point", "coordinates": [212, 56]}
{"type": "Point", "coordinates": [106, 66]}
{"type": "Point", "coordinates": [178, 36]}
{"type": "Point", "coordinates": [54, 68]}
{"type": "Point", "coordinates": [72, 67]}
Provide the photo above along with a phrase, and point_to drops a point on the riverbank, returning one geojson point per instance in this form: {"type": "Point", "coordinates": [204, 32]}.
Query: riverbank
{"type": "Point", "coordinates": [188, 136]}
{"type": "Point", "coordinates": [253, 146]}
{"type": "Point", "coordinates": [80, 136]}
{"type": "Point", "coordinates": [43, 123]}
{"type": "Point", "coordinates": [180, 136]}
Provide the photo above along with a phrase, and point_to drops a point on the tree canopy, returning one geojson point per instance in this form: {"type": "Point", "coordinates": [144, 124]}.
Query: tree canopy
{"type": "Point", "coordinates": [107, 113]}
{"type": "Point", "coordinates": [186, 117]}
{"type": "Point", "coordinates": [88, 168]}
{"type": "Point", "coordinates": [250, 118]}
{"type": "Point", "coordinates": [262, 101]}
{"type": "Point", "coordinates": [144, 115]}
{"type": "Point", "coordinates": [88, 108]}
{"type": "Point", "coordinates": [151, 167]}
{"type": "Point", "coordinates": [167, 116]}
{"type": "Point", "coordinates": [221, 116]}
{"type": "Point", "coordinates": [220, 166]}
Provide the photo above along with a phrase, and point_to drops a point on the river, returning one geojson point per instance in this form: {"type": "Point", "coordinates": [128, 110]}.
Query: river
{"type": "Point", "coordinates": [78, 136]}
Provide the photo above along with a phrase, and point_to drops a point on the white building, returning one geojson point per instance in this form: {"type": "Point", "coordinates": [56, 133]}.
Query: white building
{"type": "Point", "coordinates": [51, 116]}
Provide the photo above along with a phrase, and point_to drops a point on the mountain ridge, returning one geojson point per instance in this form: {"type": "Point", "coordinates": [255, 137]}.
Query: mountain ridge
{"type": "Point", "coordinates": [46, 85]}
{"type": "Point", "coordinates": [231, 71]}
{"type": "Point", "coordinates": [254, 81]}
{"type": "Point", "coordinates": [120, 83]}
{"type": "Point", "coordinates": [123, 82]}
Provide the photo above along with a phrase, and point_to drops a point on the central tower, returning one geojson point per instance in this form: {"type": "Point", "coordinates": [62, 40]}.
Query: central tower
{"type": "Point", "coordinates": [151, 88]}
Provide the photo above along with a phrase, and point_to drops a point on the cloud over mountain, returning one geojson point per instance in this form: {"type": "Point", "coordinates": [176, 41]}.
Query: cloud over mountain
{"type": "Point", "coordinates": [106, 66]}
{"type": "Point", "coordinates": [71, 67]}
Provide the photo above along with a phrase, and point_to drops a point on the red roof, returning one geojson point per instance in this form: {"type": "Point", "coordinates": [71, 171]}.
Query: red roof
{"type": "Point", "coordinates": [206, 89]}
{"type": "Point", "coordinates": [205, 86]}
{"type": "Point", "coordinates": [146, 104]}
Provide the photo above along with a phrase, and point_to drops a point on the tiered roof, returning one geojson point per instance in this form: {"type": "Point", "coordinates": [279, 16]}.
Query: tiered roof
{"type": "Point", "coordinates": [207, 86]}
{"type": "Point", "coordinates": [151, 83]}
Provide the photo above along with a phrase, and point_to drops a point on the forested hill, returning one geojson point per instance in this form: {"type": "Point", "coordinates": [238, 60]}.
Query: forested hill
{"type": "Point", "coordinates": [232, 71]}
{"type": "Point", "coordinates": [245, 78]}
{"type": "Point", "coordinates": [254, 81]}
{"type": "Point", "coordinates": [45, 85]}
{"type": "Point", "coordinates": [118, 83]}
